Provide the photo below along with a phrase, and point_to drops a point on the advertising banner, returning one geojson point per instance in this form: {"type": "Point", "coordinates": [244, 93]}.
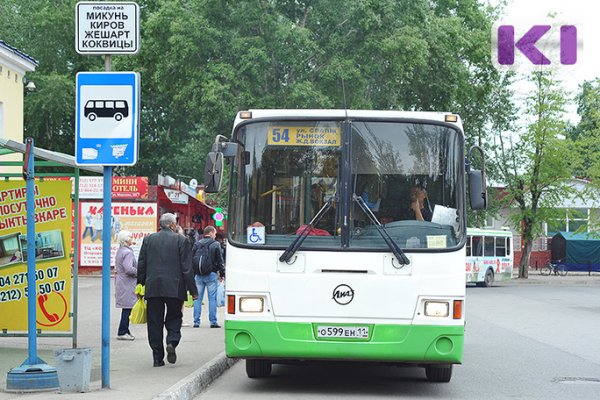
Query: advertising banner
{"type": "Point", "coordinates": [137, 218]}
{"type": "Point", "coordinates": [123, 187]}
{"type": "Point", "coordinates": [53, 223]}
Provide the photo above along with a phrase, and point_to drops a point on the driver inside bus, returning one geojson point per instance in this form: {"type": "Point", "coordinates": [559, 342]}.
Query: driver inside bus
{"type": "Point", "coordinates": [419, 204]}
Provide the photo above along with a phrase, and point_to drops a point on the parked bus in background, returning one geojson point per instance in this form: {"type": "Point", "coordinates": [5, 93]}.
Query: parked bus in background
{"type": "Point", "coordinates": [489, 256]}
{"type": "Point", "coordinates": [327, 258]}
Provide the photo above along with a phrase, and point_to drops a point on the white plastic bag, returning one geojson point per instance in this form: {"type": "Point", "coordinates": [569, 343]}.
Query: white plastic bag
{"type": "Point", "coordinates": [221, 294]}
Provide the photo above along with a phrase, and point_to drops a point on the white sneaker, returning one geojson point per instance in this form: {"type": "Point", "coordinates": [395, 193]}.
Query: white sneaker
{"type": "Point", "coordinates": [126, 336]}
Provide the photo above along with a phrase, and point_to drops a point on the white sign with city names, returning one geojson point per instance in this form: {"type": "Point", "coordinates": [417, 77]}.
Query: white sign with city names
{"type": "Point", "coordinates": [107, 27]}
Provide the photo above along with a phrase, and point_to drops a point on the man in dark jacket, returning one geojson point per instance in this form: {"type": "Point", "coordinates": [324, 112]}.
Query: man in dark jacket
{"type": "Point", "coordinates": [211, 280]}
{"type": "Point", "coordinates": [165, 268]}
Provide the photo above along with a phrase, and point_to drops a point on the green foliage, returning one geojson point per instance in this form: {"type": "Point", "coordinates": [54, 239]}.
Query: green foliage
{"type": "Point", "coordinates": [203, 60]}
{"type": "Point", "coordinates": [585, 137]}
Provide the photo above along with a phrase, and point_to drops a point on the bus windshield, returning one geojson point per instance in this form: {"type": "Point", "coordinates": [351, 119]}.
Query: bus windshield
{"type": "Point", "coordinates": [409, 175]}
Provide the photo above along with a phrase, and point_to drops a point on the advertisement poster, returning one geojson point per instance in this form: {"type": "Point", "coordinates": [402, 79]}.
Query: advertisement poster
{"type": "Point", "coordinates": [123, 187]}
{"type": "Point", "coordinates": [53, 223]}
{"type": "Point", "coordinates": [137, 218]}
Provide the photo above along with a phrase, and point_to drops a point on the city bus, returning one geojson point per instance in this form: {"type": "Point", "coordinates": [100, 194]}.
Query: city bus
{"type": "Point", "coordinates": [489, 256]}
{"type": "Point", "coordinates": [325, 258]}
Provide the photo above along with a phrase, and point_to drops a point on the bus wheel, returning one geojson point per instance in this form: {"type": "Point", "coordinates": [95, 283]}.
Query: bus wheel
{"type": "Point", "coordinates": [438, 373]}
{"type": "Point", "coordinates": [258, 368]}
{"type": "Point", "coordinates": [489, 278]}
{"type": "Point", "coordinates": [118, 116]}
{"type": "Point", "coordinates": [91, 116]}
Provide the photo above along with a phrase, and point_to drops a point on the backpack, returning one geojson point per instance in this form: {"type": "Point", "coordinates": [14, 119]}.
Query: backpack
{"type": "Point", "coordinates": [202, 261]}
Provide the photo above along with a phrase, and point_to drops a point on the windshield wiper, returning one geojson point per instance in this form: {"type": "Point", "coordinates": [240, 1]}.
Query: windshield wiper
{"type": "Point", "coordinates": [295, 245]}
{"type": "Point", "coordinates": [400, 256]}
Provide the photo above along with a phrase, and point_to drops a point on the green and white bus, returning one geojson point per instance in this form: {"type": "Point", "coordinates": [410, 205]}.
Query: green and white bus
{"type": "Point", "coordinates": [325, 259]}
{"type": "Point", "coordinates": [489, 256]}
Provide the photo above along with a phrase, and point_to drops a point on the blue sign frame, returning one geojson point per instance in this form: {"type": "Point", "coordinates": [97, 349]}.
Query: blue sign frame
{"type": "Point", "coordinates": [107, 118]}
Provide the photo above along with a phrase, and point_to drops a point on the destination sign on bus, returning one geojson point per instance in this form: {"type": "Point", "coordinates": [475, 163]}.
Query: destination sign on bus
{"type": "Point", "coordinates": [303, 136]}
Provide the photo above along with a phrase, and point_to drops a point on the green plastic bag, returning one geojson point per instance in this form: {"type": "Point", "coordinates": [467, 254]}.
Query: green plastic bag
{"type": "Point", "coordinates": [189, 302]}
{"type": "Point", "coordinates": [138, 312]}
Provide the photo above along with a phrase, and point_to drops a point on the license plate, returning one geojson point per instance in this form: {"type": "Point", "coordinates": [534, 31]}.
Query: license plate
{"type": "Point", "coordinates": [353, 332]}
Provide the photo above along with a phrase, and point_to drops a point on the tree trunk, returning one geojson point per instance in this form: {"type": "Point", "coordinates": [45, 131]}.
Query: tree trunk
{"type": "Point", "coordinates": [524, 266]}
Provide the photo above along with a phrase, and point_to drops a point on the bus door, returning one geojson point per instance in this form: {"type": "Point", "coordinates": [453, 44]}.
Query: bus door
{"type": "Point", "coordinates": [504, 260]}
{"type": "Point", "coordinates": [476, 258]}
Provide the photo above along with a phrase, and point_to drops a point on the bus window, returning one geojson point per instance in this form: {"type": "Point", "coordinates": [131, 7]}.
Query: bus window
{"type": "Point", "coordinates": [477, 246]}
{"type": "Point", "coordinates": [468, 246]}
{"type": "Point", "coordinates": [508, 246]}
{"type": "Point", "coordinates": [501, 247]}
{"type": "Point", "coordinates": [489, 247]}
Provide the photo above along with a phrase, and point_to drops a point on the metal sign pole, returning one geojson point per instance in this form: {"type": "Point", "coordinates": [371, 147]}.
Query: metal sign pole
{"type": "Point", "coordinates": [124, 24]}
{"type": "Point", "coordinates": [106, 236]}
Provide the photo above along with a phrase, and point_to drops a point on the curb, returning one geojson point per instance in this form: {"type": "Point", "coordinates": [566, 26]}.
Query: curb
{"type": "Point", "coordinates": [555, 282]}
{"type": "Point", "coordinates": [191, 386]}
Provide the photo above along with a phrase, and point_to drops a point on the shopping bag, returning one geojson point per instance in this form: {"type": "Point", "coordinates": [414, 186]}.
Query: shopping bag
{"type": "Point", "coordinates": [221, 295]}
{"type": "Point", "coordinates": [189, 302]}
{"type": "Point", "coordinates": [138, 312]}
{"type": "Point", "coordinates": [140, 290]}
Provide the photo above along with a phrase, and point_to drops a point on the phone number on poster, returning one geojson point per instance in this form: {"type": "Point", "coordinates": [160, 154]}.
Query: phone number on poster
{"type": "Point", "coordinates": [21, 277]}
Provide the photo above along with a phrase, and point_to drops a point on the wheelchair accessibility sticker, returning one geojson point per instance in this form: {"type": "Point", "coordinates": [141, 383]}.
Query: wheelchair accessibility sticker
{"type": "Point", "coordinates": [255, 235]}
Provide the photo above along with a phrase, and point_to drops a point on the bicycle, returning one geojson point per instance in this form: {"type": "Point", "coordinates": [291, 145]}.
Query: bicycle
{"type": "Point", "coordinates": [554, 267]}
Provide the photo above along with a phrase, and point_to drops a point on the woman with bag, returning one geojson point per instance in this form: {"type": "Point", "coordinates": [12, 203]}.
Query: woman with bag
{"type": "Point", "coordinates": [125, 281]}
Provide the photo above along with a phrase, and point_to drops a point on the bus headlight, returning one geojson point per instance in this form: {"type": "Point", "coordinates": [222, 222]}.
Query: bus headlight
{"type": "Point", "coordinates": [252, 304]}
{"type": "Point", "coordinates": [437, 309]}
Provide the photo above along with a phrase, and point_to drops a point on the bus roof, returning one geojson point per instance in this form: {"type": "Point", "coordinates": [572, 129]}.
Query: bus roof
{"type": "Point", "coordinates": [490, 232]}
{"type": "Point", "coordinates": [341, 113]}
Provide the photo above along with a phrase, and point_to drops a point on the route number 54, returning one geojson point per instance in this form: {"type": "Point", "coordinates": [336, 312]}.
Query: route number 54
{"type": "Point", "coordinates": [280, 135]}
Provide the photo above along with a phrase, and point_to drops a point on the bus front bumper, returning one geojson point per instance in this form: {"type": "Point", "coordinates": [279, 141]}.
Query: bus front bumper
{"type": "Point", "coordinates": [412, 344]}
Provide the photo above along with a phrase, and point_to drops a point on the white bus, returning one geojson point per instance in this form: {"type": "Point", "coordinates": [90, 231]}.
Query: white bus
{"type": "Point", "coordinates": [489, 256]}
{"type": "Point", "coordinates": [325, 260]}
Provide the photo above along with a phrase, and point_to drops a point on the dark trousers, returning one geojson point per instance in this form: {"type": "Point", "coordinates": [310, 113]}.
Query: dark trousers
{"type": "Point", "coordinates": [124, 324]}
{"type": "Point", "coordinates": [157, 320]}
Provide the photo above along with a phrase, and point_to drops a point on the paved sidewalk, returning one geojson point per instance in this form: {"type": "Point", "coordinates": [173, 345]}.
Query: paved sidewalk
{"type": "Point", "coordinates": [200, 355]}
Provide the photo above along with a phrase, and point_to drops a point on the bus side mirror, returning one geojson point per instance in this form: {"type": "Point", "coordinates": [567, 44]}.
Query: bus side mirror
{"type": "Point", "coordinates": [213, 172]}
{"type": "Point", "coordinates": [477, 190]}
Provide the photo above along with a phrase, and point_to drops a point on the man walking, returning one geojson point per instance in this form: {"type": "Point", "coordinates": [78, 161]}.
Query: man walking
{"type": "Point", "coordinates": [165, 268]}
{"type": "Point", "coordinates": [209, 270]}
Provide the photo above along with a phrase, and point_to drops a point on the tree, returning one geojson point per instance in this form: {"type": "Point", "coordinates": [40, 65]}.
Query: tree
{"type": "Point", "coordinates": [586, 135]}
{"type": "Point", "coordinates": [533, 162]}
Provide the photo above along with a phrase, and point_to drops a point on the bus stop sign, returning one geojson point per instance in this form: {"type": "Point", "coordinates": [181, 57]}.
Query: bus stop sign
{"type": "Point", "coordinates": [107, 118]}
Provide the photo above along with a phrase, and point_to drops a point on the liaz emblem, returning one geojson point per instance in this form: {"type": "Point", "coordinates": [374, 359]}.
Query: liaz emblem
{"type": "Point", "coordinates": [343, 294]}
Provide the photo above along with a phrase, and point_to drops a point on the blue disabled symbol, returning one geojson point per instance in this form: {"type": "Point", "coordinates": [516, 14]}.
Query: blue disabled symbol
{"type": "Point", "coordinates": [254, 237]}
